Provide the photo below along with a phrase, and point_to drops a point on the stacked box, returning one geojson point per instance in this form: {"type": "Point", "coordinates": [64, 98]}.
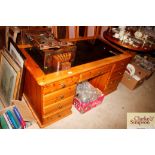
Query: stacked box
{"type": "Point", "coordinates": [140, 69]}
{"type": "Point", "coordinates": [144, 64]}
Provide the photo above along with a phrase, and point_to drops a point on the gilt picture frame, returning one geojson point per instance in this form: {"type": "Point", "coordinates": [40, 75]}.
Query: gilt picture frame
{"type": "Point", "coordinates": [9, 78]}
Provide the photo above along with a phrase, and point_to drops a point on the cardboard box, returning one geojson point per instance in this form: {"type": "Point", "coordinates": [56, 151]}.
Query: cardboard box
{"type": "Point", "coordinates": [141, 72]}
{"type": "Point", "coordinates": [131, 82]}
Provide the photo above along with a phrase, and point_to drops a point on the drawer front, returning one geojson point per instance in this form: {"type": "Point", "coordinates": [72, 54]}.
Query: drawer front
{"type": "Point", "coordinates": [58, 95]}
{"type": "Point", "coordinates": [52, 118]}
{"type": "Point", "coordinates": [121, 64]}
{"type": "Point", "coordinates": [96, 72]}
{"type": "Point", "coordinates": [58, 106]}
{"type": "Point", "coordinates": [60, 84]}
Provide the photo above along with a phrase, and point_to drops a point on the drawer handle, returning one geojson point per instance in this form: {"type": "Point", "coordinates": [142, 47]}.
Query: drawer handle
{"type": "Point", "coordinates": [50, 118]}
{"type": "Point", "coordinates": [59, 115]}
{"type": "Point", "coordinates": [63, 85]}
{"type": "Point", "coordinates": [62, 96]}
{"type": "Point", "coordinates": [101, 72]}
{"type": "Point", "coordinates": [59, 106]}
{"type": "Point", "coordinates": [111, 82]}
{"type": "Point", "coordinates": [120, 73]}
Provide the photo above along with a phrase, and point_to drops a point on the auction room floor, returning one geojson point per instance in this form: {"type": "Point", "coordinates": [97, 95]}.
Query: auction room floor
{"type": "Point", "coordinates": [112, 113]}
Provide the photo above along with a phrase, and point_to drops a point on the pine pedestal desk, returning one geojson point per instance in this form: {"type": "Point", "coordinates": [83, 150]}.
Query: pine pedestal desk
{"type": "Point", "coordinates": [50, 96]}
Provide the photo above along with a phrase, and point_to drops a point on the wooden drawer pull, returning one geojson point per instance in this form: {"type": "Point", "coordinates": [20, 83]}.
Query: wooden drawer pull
{"type": "Point", "coordinates": [122, 64]}
{"type": "Point", "coordinates": [101, 72]}
{"type": "Point", "coordinates": [63, 85]}
{"type": "Point", "coordinates": [112, 82]}
{"type": "Point", "coordinates": [62, 96]}
{"type": "Point", "coordinates": [60, 106]}
{"type": "Point", "coordinates": [59, 115]}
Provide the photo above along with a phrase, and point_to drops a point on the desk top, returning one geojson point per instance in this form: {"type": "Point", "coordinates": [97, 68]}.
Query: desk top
{"type": "Point", "coordinates": [44, 79]}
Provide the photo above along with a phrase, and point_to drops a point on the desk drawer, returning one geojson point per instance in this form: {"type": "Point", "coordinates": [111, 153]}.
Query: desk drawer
{"type": "Point", "coordinates": [60, 84]}
{"type": "Point", "coordinates": [58, 106]}
{"type": "Point", "coordinates": [95, 72]}
{"type": "Point", "coordinates": [52, 118]}
{"type": "Point", "coordinates": [58, 95]}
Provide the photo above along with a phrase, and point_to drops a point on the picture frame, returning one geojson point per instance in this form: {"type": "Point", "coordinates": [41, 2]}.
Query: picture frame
{"type": "Point", "coordinates": [10, 73]}
{"type": "Point", "coordinates": [15, 52]}
{"type": "Point", "coordinates": [19, 58]}
{"type": "Point", "coordinates": [1, 105]}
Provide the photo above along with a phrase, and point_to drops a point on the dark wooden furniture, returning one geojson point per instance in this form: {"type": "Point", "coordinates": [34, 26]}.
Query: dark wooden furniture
{"type": "Point", "coordinates": [108, 35]}
{"type": "Point", "coordinates": [2, 37]}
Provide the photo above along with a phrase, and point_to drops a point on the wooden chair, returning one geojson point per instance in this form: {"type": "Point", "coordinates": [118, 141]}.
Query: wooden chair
{"type": "Point", "coordinates": [74, 33]}
{"type": "Point", "coordinates": [12, 32]}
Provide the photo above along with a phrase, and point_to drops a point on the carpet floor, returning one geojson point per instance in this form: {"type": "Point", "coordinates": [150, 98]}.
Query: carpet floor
{"type": "Point", "coordinates": [112, 113]}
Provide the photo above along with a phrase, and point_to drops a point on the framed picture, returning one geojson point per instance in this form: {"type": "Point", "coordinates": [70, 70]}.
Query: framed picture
{"type": "Point", "coordinates": [1, 105]}
{"type": "Point", "coordinates": [16, 53]}
{"type": "Point", "coordinates": [9, 78]}
{"type": "Point", "coordinates": [19, 58]}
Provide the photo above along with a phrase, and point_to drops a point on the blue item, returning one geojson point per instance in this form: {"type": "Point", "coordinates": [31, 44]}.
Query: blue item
{"type": "Point", "coordinates": [12, 120]}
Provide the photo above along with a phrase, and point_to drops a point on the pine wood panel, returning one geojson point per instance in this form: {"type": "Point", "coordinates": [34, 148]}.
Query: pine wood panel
{"type": "Point", "coordinates": [100, 81]}
{"type": "Point", "coordinates": [121, 64]}
{"type": "Point", "coordinates": [114, 82]}
{"type": "Point", "coordinates": [118, 73]}
{"type": "Point", "coordinates": [33, 93]}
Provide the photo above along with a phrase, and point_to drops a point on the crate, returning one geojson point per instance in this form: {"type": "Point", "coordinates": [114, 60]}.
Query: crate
{"type": "Point", "coordinates": [83, 107]}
